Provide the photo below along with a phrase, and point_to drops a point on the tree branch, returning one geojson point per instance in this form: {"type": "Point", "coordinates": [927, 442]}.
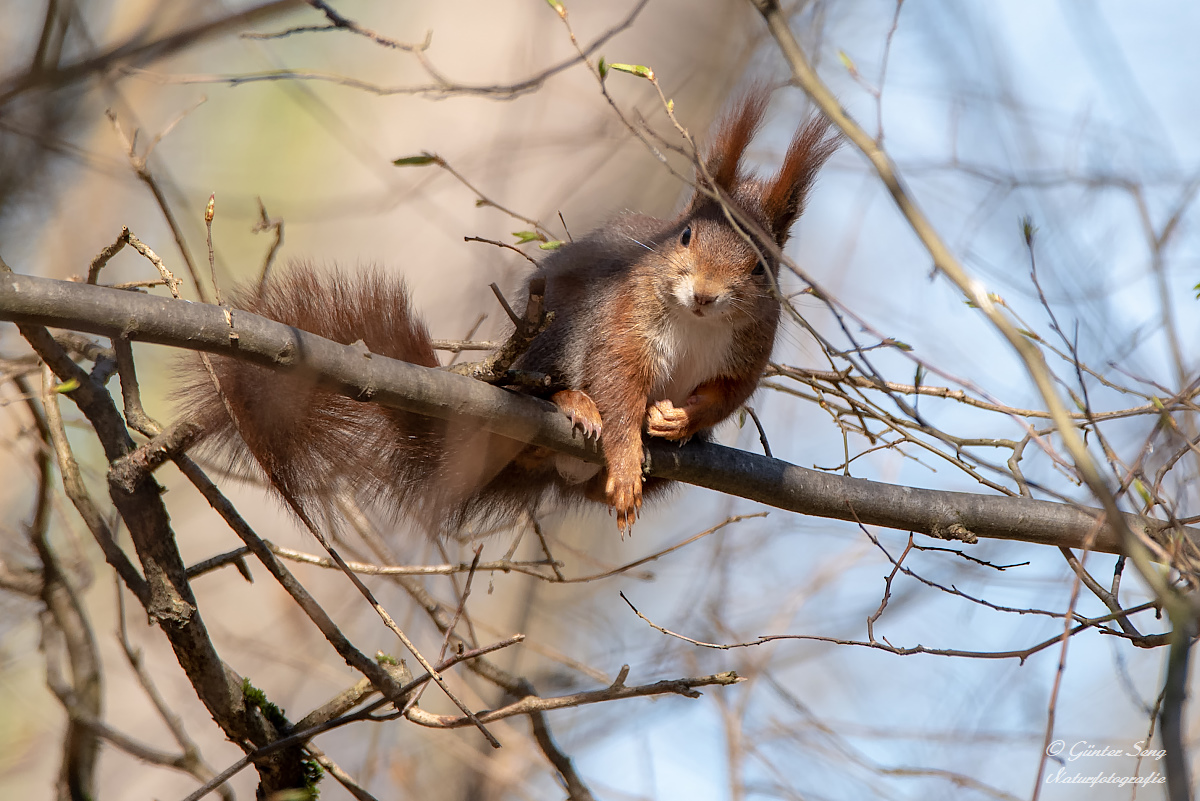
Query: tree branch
{"type": "Point", "coordinates": [957, 515]}
{"type": "Point", "coordinates": [168, 600]}
{"type": "Point", "coordinates": [137, 51]}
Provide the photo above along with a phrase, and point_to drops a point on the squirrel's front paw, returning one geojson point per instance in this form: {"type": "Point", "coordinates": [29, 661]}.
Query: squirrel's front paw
{"type": "Point", "coordinates": [665, 419]}
{"type": "Point", "coordinates": [624, 495]}
{"type": "Point", "coordinates": [580, 410]}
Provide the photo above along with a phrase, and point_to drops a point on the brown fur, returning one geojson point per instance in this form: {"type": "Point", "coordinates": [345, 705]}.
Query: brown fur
{"type": "Point", "coordinates": [733, 136]}
{"type": "Point", "coordinates": [661, 326]}
{"type": "Point", "coordinates": [624, 294]}
{"type": "Point", "coordinates": [784, 201]}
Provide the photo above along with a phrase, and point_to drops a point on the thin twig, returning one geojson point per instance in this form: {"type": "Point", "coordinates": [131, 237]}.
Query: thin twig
{"type": "Point", "coordinates": [439, 87]}
{"type": "Point", "coordinates": [266, 223]}
{"type": "Point", "coordinates": [499, 244]}
{"type": "Point", "coordinates": [209, 213]}
{"type": "Point", "coordinates": [142, 171]}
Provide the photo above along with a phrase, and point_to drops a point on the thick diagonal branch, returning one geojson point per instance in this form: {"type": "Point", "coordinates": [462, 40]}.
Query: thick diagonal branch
{"type": "Point", "coordinates": [98, 310]}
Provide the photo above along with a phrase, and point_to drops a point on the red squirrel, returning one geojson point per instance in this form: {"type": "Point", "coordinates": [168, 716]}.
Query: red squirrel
{"type": "Point", "coordinates": [660, 326]}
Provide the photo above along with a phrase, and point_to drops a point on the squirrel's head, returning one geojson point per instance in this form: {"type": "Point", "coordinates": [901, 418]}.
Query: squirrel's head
{"type": "Point", "coordinates": [721, 262]}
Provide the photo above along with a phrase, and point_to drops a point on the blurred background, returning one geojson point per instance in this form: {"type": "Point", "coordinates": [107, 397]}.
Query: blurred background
{"type": "Point", "coordinates": [1075, 115]}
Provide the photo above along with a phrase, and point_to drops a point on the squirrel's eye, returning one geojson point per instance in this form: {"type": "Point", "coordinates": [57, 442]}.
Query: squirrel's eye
{"type": "Point", "coordinates": [759, 269]}
{"type": "Point", "coordinates": [686, 237]}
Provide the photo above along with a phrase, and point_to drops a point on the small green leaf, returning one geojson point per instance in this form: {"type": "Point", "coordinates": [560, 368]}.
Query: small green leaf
{"type": "Point", "coordinates": [1197, 290]}
{"type": "Point", "coordinates": [70, 385]}
{"type": "Point", "coordinates": [1030, 334]}
{"type": "Point", "coordinates": [553, 244]}
{"type": "Point", "coordinates": [1142, 491]}
{"type": "Point", "coordinates": [528, 236]}
{"type": "Point", "coordinates": [558, 6]}
{"type": "Point", "coordinates": [847, 62]}
{"type": "Point", "coordinates": [1158, 404]}
{"type": "Point", "coordinates": [1028, 230]}
{"type": "Point", "coordinates": [670, 106]}
{"type": "Point", "coordinates": [603, 68]}
{"type": "Point", "coordinates": [417, 161]}
{"type": "Point", "coordinates": [895, 343]}
{"type": "Point", "coordinates": [634, 69]}
{"type": "Point", "coordinates": [741, 418]}
{"type": "Point", "coordinates": [991, 296]}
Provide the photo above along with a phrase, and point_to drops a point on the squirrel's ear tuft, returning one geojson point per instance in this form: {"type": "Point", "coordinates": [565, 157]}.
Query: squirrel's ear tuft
{"type": "Point", "coordinates": [734, 132]}
{"type": "Point", "coordinates": [783, 197]}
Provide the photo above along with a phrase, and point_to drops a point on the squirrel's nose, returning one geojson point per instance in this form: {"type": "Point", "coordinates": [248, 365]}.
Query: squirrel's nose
{"type": "Point", "coordinates": [704, 298]}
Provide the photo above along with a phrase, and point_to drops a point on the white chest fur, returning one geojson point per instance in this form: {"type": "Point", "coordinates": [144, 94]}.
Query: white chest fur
{"type": "Point", "coordinates": [688, 350]}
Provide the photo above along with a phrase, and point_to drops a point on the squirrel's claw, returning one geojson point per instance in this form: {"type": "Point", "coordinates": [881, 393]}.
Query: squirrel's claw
{"type": "Point", "coordinates": [624, 496]}
{"type": "Point", "coordinates": [580, 410]}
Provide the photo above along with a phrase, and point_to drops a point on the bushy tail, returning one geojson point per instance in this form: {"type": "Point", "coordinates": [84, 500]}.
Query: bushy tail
{"type": "Point", "coordinates": [310, 442]}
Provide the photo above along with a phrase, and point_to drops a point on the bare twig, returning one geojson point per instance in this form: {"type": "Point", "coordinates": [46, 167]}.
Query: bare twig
{"type": "Point", "coordinates": [1020, 655]}
{"type": "Point", "coordinates": [367, 666]}
{"type": "Point", "coordinates": [54, 433]}
{"type": "Point", "coordinates": [209, 213]}
{"type": "Point", "coordinates": [142, 171]}
{"type": "Point", "coordinates": [459, 345]}
{"type": "Point", "coordinates": [190, 760]}
{"type": "Point", "coordinates": [439, 87]}
{"type": "Point", "coordinates": [137, 49]}
{"type": "Point", "coordinates": [305, 734]}
{"type": "Point", "coordinates": [499, 244]}
{"type": "Point", "coordinates": [1181, 610]}
{"type": "Point", "coordinates": [126, 237]}
{"type": "Point", "coordinates": [65, 622]}
{"type": "Point", "coordinates": [618, 690]}
{"type": "Point", "coordinates": [266, 223]}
